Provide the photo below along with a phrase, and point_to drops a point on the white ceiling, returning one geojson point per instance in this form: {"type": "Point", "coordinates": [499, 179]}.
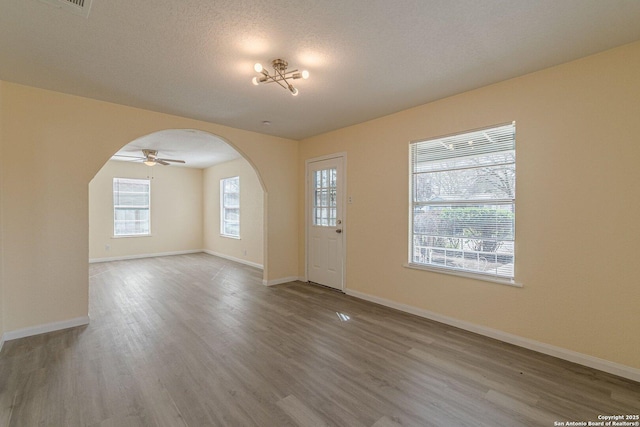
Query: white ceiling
{"type": "Point", "coordinates": [198, 149]}
{"type": "Point", "coordinates": [367, 59]}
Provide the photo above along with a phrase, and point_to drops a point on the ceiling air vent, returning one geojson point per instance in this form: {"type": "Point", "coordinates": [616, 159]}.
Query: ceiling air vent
{"type": "Point", "coordinates": [77, 7]}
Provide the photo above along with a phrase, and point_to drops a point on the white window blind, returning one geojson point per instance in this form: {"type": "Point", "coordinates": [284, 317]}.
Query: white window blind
{"type": "Point", "coordinates": [230, 207]}
{"type": "Point", "coordinates": [463, 202]}
{"type": "Point", "coordinates": [131, 207]}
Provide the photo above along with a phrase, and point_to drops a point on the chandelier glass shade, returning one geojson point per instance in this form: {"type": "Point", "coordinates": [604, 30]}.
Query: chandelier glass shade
{"type": "Point", "coordinates": [280, 75]}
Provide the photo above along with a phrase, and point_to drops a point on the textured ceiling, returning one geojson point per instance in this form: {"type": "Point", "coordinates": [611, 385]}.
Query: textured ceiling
{"type": "Point", "coordinates": [367, 59]}
{"type": "Point", "coordinates": [198, 149]}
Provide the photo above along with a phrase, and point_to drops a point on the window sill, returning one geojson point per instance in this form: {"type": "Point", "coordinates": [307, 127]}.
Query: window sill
{"type": "Point", "coordinates": [131, 235]}
{"type": "Point", "coordinates": [230, 237]}
{"type": "Point", "coordinates": [482, 277]}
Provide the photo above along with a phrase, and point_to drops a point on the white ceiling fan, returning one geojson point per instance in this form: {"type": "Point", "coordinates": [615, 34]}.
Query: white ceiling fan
{"type": "Point", "coordinates": [150, 158]}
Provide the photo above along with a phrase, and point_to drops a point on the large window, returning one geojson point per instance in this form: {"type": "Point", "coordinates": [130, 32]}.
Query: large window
{"type": "Point", "coordinates": [463, 199]}
{"type": "Point", "coordinates": [131, 205]}
{"type": "Point", "coordinates": [230, 207]}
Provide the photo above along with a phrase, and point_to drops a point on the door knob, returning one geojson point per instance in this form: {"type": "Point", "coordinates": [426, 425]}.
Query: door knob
{"type": "Point", "coordinates": [338, 230]}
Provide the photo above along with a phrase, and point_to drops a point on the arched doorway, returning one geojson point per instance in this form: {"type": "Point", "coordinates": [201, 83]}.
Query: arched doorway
{"type": "Point", "coordinates": [186, 202]}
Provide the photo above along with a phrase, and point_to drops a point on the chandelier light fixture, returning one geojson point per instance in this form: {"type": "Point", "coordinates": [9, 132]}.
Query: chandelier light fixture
{"type": "Point", "coordinates": [280, 75]}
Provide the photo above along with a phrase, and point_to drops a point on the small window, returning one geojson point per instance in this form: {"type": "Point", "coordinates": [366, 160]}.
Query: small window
{"type": "Point", "coordinates": [230, 207]}
{"type": "Point", "coordinates": [463, 202]}
{"type": "Point", "coordinates": [324, 202]}
{"type": "Point", "coordinates": [131, 207]}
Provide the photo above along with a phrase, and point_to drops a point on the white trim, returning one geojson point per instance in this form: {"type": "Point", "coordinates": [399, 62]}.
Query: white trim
{"type": "Point", "coordinates": [551, 350]}
{"type": "Point", "coordinates": [138, 256]}
{"type": "Point", "coordinates": [229, 236]}
{"type": "Point", "coordinates": [280, 281]}
{"type": "Point", "coordinates": [461, 273]}
{"type": "Point", "coordinates": [2, 339]}
{"type": "Point", "coordinates": [327, 157]}
{"type": "Point", "coordinates": [230, 258]}
{"type": "Point", "coordinates": [47, 327]}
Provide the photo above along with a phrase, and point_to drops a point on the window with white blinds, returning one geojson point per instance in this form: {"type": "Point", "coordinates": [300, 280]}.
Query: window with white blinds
{"type": "Point", "coordinates": [463, 200]}
{"type": "Point", "coordinates": [230, 207]}
{"type": "Point", "coordinates": [131, 207]}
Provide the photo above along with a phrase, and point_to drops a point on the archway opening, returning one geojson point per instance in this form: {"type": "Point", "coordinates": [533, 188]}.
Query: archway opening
{"type": "Point", "coordinates": [186, 208]}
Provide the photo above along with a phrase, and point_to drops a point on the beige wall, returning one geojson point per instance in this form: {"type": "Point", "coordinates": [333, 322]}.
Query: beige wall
{"type": "Point", "coordinates": [1, 224]}
{"type": "Point", "coordinates": [52, 146]}
{"type": "Point", "coordinates": [249, 247]}
{"type": "Point", "coordinates": [176, 211]}
{"type": "Point", "coordinates": [577, 227]}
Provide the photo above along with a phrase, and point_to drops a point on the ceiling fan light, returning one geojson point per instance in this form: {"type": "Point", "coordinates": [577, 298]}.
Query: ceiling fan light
{"type": "Point", "coordinates": [150, 162]}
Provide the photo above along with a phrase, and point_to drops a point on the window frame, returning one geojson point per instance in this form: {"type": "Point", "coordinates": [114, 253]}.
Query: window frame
{"type": "Point", "coordinates": [224, 207]}
{"type": "Point", "coordinates": [490, 276]}
{"type": "Point", "coordinates": [324, 210]}
{"type": "Point", "coordinates": [146, 207]}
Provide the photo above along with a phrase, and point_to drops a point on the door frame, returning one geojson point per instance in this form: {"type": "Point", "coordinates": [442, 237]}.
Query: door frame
{"type": "Point", "coordinates": [307, 217]}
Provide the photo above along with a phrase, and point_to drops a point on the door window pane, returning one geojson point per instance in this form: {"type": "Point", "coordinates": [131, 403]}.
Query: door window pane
{"type": "Point", "coordinates": [325, 195]}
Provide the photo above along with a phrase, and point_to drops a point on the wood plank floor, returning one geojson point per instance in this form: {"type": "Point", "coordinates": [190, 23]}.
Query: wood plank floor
{"type": "Point", "coordinates": [195, 340]}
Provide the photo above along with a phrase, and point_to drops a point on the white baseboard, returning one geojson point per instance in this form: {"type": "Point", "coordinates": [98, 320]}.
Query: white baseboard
{"type": "Point", "coordinates": [280, 281]}
{"type": "Point", "coordinates": [43, 329]}
{"type": "Point", "coordinates": [139, 256]}
{"type": "Point", "coordinates": [551, 350]}
{"type": "Point", "coordinates": [230, 258]}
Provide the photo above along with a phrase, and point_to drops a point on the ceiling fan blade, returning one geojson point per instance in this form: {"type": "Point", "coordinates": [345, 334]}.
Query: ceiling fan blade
{"type": "Point", "coordinates": [172, 160]}
{"type": "Point", "coordinates": [162, 162]}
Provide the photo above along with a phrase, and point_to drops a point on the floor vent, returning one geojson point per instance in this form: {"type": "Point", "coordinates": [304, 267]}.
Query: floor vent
{"type": "Point", "coordinates": [77, 7]}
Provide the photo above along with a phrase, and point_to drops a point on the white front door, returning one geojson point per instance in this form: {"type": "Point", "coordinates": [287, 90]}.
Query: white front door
{"type": "Point", "coordinates": [325, 237]}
